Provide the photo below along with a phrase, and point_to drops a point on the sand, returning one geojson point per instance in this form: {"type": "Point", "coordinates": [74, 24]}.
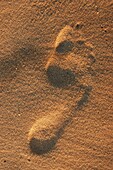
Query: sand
{"type": "Point", "coordinates": [56, 85]}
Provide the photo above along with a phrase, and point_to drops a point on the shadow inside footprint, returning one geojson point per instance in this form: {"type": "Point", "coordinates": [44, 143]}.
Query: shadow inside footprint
{"type": "Point", "coordinates": [64, 47]}
{"type": "Point", "coordinates": [59, 77]}
{"type": "Point", "coordinates": [40, 147]}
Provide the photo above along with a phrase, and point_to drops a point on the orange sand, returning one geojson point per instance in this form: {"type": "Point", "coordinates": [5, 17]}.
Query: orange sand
{"type": "Point", "coordinates": [28, 30]}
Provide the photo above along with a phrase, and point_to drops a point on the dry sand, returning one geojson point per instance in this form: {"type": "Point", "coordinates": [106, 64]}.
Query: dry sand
{"type": "Point", "coordinates": [33, 106]}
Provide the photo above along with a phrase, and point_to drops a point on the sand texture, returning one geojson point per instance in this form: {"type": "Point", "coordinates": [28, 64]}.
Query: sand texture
{"type": "Point", "coordinates": [56, 85]}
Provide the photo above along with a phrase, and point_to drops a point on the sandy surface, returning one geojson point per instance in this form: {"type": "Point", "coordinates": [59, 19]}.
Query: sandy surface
{"type": "Point", "coordinates": [28, 31]}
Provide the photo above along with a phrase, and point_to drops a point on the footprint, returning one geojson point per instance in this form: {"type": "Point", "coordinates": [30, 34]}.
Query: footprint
{"type": "Point", "coordinates": [64, 41]}
{"type": "Point", "coordinates": [71, 58]}
{"type": "Point", "coordinates": [46, 131]}
{"type": "Point", "coordinates": [60, 76]}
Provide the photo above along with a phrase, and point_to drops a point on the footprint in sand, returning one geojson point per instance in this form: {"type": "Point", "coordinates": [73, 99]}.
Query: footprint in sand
{"type": "Point", "coordinates": [70, 61]}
